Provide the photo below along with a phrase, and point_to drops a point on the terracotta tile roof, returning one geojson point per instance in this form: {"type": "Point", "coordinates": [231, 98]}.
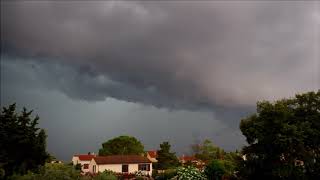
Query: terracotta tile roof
{"type": "Point", "coordinates": [188, 158]}
{"type": "Point", "coordinates": [85, 157]}
{"type": "Point", "coordinates": [152, 154]}
{"type": "Point", "coordinates": [121, 159]}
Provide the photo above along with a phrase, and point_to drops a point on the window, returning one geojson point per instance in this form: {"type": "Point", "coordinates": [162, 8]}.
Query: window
{"type": "Point", "coordinates": [86, 166]}
{"type": "Point", "coordinates": [94, 168]}
{"type": "Point", "coordinates": [144, 167]}
{"type": "Point", "coordinates": [125, 168]}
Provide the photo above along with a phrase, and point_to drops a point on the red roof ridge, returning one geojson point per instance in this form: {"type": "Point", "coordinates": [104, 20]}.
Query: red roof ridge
{"type": "Point", "coordinates": [152, 153]}
{"type": "Point", "coordinates": [85, 157]}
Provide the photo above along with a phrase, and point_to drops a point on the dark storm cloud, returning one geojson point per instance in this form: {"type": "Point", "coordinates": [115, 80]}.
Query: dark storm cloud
{"type": "Point", "coordinates": [63, 59]}
{"type": "Point", "coordinates": [78, 82]}
{"type": "Point", "coordinates": [176, 55]}
{"type": "Point", "coordinates": [32, 85]}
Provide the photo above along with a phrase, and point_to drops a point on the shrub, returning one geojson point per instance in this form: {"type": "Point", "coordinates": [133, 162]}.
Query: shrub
{"type": "Point", "coordinates": [167, 174]}
{"type": "Point", "coordinates": [139, 178]}
{"type": "Point", "coordinates": [218, 169]}
{"type": "Point", "coordinates": [106, 175]}
{"type": "Point", "coordinates": [28, 176]}
{"type": "Point", "coordinates": [189, 173]}
{"type": "Point", "coordinates": [2, 173]}
{"type": "Point", "coordinates": [154, 173]}
{"type": "Point", "coordinates": [50, 172]}
{"type": "Point", "coordinates": [77, 167]}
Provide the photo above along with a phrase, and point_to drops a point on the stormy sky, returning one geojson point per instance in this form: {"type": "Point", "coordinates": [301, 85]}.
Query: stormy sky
{"type": "Point", "coordinates": [175, 71]}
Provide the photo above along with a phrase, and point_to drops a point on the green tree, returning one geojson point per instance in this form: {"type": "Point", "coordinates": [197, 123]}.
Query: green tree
{"type": "Point", "coordinates": [50, 158]}
{"type": "Point", "coordinates": [232, 156]}
{"type": "Point", "coordinates": [122, 145]}
{"type": "Point", "coordinates": [218, 169]}
{"type": "Point", "coordinates": [207, 151]}
{"type": "Point", "coordinates": [22, 143]}
{"type": "Point", "coordinates": [166, 159]}
{"type": "Point", "coordinates": [284, 139]}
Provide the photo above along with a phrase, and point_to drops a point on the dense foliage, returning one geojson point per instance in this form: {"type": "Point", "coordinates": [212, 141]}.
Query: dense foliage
{"type": "Point", "coordinates": [165, 174]}
{"type": "Point", "coordinates": [284, 139]}
{"type": "Point", "coordinates": [106, 175]}
{"type": "Point", "coordinates": [192, 173]}
{"type": "Point", "coordinates": [124, 145]}
{"type": "Point", "coordinates": [166, 159]}
{"type": "Point", "coordinates": [22, 143]}
{"type": "Point", "coordinates": [217, 169]}
{"type": "Point", "coordinates": [62, 172]}
{"type": "Point", "coordinates": [50, 172]}
{"type": "Point", "coordinates": [207, 151]}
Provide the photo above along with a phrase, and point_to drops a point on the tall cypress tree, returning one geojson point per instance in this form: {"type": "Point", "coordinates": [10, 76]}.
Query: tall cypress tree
{"type": "Point", "coordinates": [22, 143]}
{"type": "Point", "coordinates": [166, 159]}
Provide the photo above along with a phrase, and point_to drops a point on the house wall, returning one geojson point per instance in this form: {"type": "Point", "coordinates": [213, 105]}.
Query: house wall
{"type": "Point", "coordinates": [112, 167]}
{"type": "Point", "coordinates": [82, 163]}
{"type": "Point", "coordinates": [117, 167]}
{"type": "Point", "coordinates": [76, 160]}
{"type": "Point", "coordinates": [92, 162]}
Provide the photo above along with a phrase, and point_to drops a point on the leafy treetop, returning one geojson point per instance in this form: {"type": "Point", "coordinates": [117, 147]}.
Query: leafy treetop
{"type": "Point", "coordinates": [122, 145]}
{"type": "Point", "coordinates": [284, 139]}
{"type": "Point", "coordinates": [207, 151]}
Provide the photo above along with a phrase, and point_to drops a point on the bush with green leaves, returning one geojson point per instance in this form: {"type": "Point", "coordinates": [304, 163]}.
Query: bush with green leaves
{"type": "Point", "coordinates": [50, 172]}
{"type": "Point", "coordinates": [154, 173]}
{"type": "Point", "coordinates": [167, 174]}
{"type": "Point", "coordinates": [28, 176]}
{"type": "Point", "coordinates": [218, 169]}
{"type": "Point", "coordinates": [78, 167]}
{"type": "Point", "coordinates": [140, 178]}
{"type": "Point", "coordinates": [106, 175]}
{"type": "Point", "coordinates": [184, 173]}
{"type": "Point", "coordinates": [2, 173]}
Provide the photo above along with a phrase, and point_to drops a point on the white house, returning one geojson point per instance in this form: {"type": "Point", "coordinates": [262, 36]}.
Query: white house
{"type": "Point", "coordinates": [121, 164]}
{"type": "Point", "coordinates": [84, 160]}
